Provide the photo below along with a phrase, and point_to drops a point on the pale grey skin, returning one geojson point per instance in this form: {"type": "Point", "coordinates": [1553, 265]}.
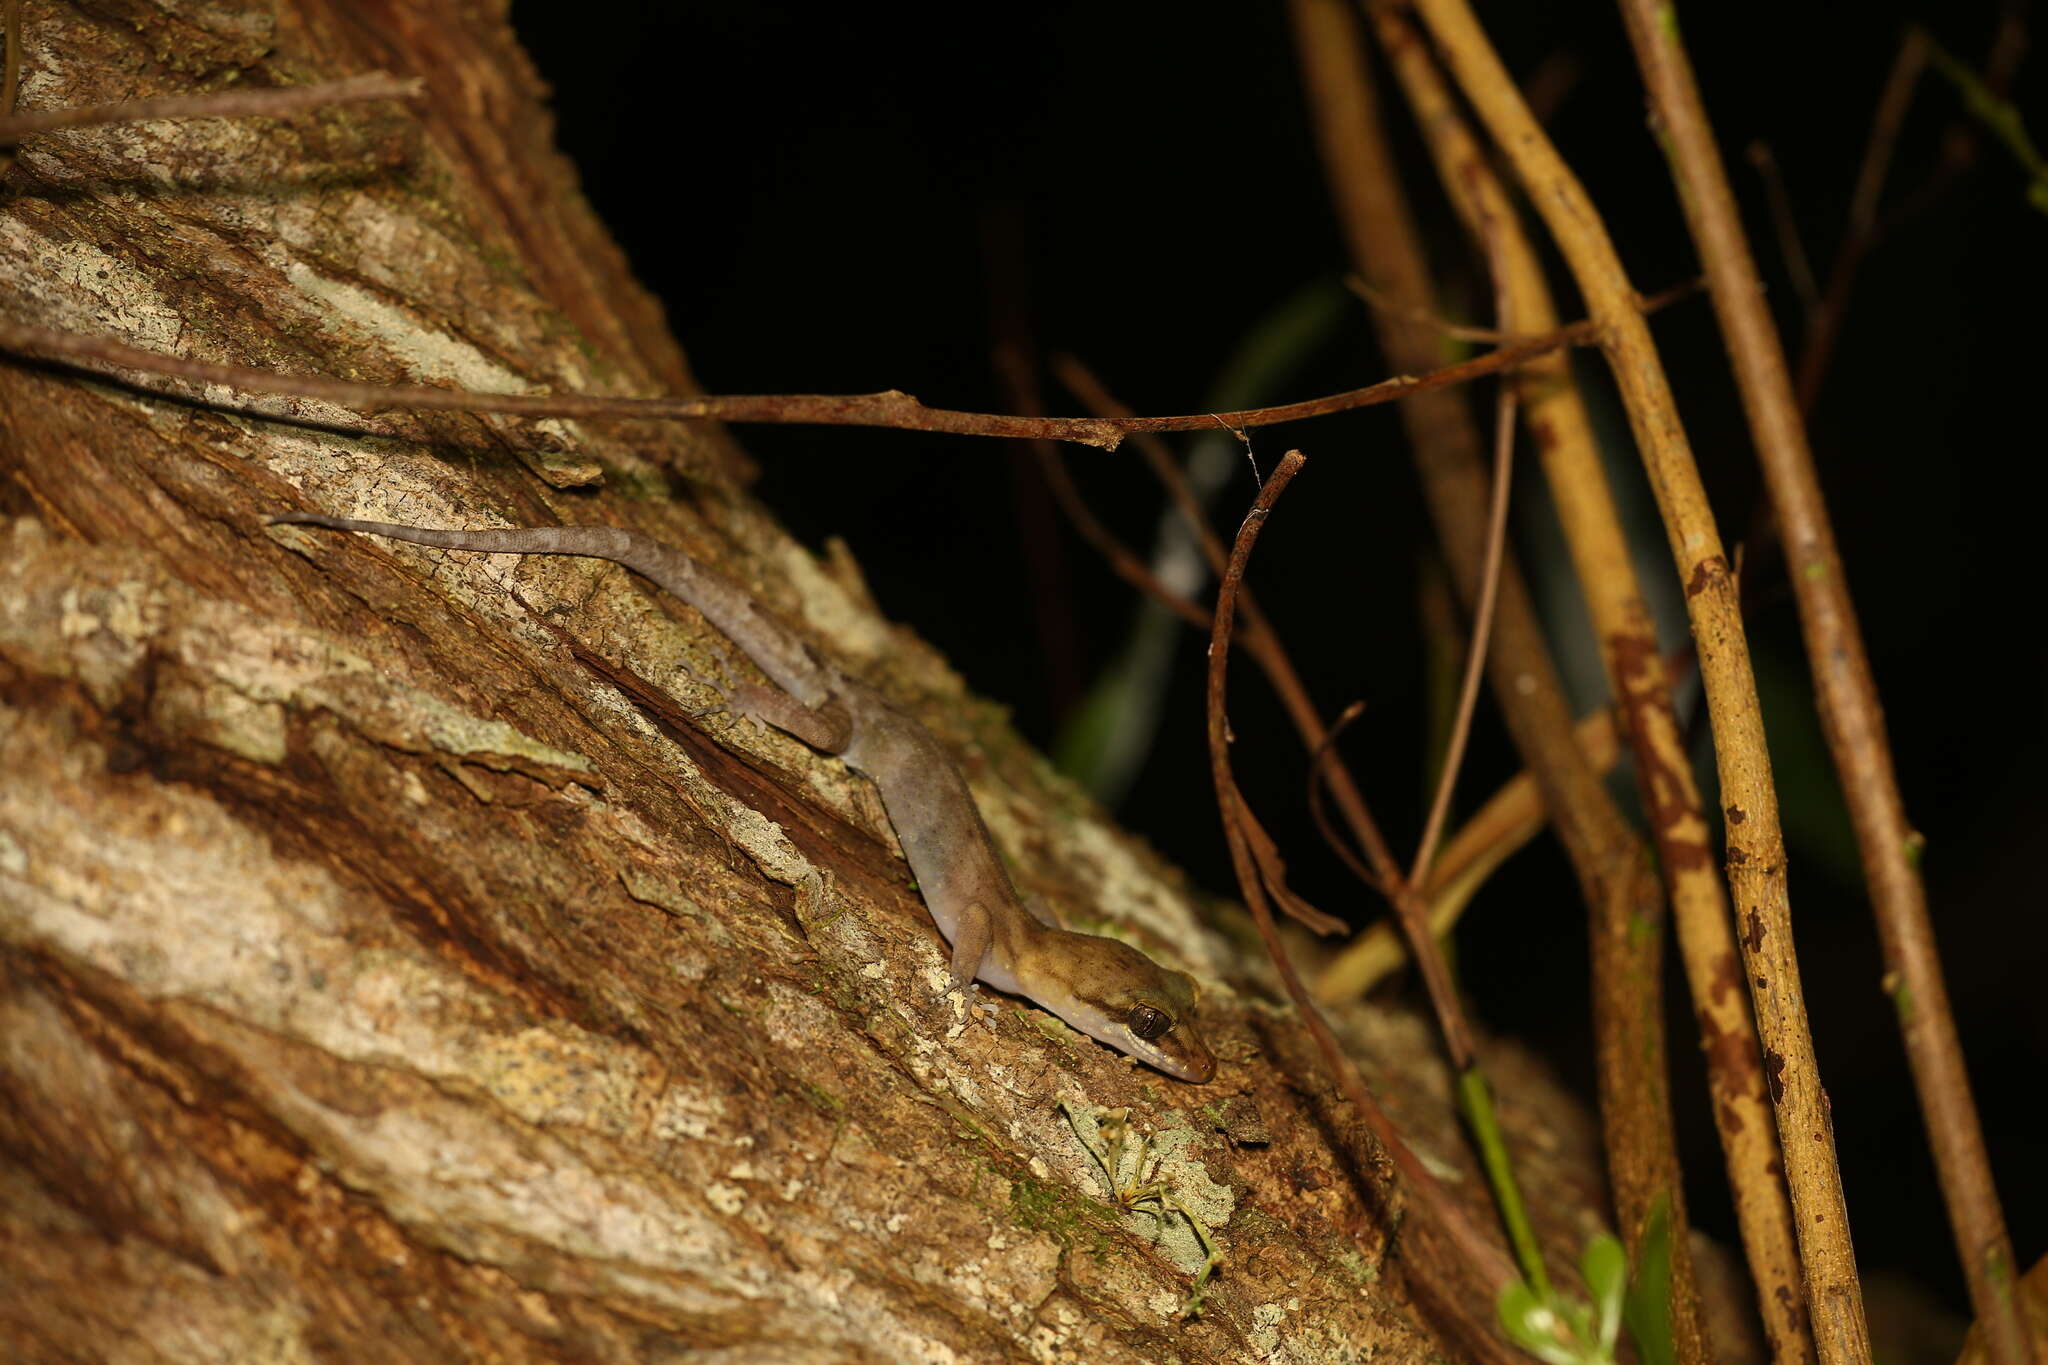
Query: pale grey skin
{"type": "Point", "coordinates": [1106, 989]}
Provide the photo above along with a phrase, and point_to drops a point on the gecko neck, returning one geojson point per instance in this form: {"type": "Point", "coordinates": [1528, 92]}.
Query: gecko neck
{"type": "Point", "coordinates": [1024, 953]}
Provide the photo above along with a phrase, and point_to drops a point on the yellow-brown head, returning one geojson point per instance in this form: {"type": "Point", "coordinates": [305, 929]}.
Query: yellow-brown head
{"type": "Point", "coordinates": [1116, 995]}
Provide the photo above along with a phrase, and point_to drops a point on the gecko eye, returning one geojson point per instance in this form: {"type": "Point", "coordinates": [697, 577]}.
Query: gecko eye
{"type": "Point", "coordinates": [1149, 1023]}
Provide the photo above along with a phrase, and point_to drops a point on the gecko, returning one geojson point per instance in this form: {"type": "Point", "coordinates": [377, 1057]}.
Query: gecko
{"type": "Point", "coordinates": [1100, 986]}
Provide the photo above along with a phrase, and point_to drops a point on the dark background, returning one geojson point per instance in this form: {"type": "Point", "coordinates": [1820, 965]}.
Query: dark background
{"type": "Point", "coordinates": [828, 199]}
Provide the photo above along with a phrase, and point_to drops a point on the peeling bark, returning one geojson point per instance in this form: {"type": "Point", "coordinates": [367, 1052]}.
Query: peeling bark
{"type": "Point", "coordinates": [401, 958]}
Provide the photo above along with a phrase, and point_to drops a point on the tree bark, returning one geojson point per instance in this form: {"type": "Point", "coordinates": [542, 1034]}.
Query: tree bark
{"type": "Point", "coordinates": [401, 958]}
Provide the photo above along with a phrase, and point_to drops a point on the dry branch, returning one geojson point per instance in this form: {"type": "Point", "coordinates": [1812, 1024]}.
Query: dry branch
{"type": "Point", "coordinates": [108, 356]}
{"type": "Point", "coordinates": [1756, 849]}
{"type": "Point", "coordinates": [1462, 1254]}
{"type": "Point", "coordinates": [1562, 431]}
{"type": "Point", "coordinates": [1623, 898]}
{"type": "Point", "coordinates": [1850, 712]}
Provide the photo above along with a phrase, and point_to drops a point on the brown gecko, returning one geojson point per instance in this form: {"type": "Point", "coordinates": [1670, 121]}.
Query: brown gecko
{"type": "Point", "coordinates": [1106, 989]}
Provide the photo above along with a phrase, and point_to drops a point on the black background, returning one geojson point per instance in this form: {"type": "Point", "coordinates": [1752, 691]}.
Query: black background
{"type": "Point", "coordinates": [828, 198]}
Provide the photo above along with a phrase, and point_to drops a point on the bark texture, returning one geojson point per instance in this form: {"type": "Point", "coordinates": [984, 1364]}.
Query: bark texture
{"type": "Point", "coordinates": [400, 959]}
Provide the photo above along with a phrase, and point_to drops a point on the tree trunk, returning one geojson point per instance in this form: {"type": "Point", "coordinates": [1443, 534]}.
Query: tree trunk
{"type": "Point", "coordinates": [404, 959]}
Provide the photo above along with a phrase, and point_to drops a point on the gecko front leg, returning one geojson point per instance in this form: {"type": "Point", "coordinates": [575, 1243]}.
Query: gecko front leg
{"type": "Point", "coordinates": [974, 933]}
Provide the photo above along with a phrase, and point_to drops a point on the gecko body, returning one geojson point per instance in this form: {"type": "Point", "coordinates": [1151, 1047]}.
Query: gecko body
{"type": "Point", "coordinates": [1105, 988]}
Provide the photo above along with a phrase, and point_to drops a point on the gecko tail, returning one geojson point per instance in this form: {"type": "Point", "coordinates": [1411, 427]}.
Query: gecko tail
{"type": "Point", "coordinates": [773, 647]}
{"type": "Point", "coordinates": [592, 542]}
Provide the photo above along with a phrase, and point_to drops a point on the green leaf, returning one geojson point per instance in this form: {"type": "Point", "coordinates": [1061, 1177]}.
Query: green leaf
{"type": "Point", "coordinates": [1648, 1309]}
{"type": "Point", "coordinates": [1533, 1324]}
{"type": "Point", "coordinates": [1605, 1266]}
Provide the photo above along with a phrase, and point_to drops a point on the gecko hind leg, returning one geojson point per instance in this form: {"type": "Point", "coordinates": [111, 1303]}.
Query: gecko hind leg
{"type": "Point", "coordinates": [720, 687]}
{"type": "Point", "coordinates": [826, 728]}
{"type": "Point", "coordinates": [973, 935]}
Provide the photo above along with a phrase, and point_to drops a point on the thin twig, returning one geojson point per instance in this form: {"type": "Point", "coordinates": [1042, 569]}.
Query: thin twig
{"type": "Point", "coordinates": [371, 85]}
{"type": "Point", "coordinates": [1258, 638]}
{"type": "Point", "coordinates": [1263, 643]}
{"type": "Point", "coordinates": [1959, 149]}
{"type": "Point", "coordinates": [1860, 234]}
{"type": "Point", "coordinates": [1446, 447]}
{"type": "Point", "coordinates": [1508, 820]}
{"type": "Point", "coordinates": [1122, 560]}
{"type": "Point", "coordinates": [1273, 876]}
{"type": "Point", "coordinates": [1825, 321]}
{"type": "Point", "coordinates": [1885, 121]}
{"type": "Point", "coordinates": [1094, 395]}
{"type": "Point", "coordinates": [1472, 1256]}
{"type": "Point", "coordinates": [1456, 331]}
{"type": "Point", "coordinates": [1562, 434]}
{"type": "Point", "coordinates": [1847, 694]}
{"type": "Point", "coordinates": [1785, 223]}
{"type": "Point", "coordinates": [100, 354]}
{"type": "Point", "coordinates": [1013, 358]}
{"type": "Point", "coordinates": [1964, 138]}
{"type": "Point", "coordinates": [1998, 115]}
{"type": "Point", "coordinates": [1834, 1293]}
{"type": "Point", "coordinates": [1482, 614]}
{"type": "Point", "coordinates": [1319, 760]}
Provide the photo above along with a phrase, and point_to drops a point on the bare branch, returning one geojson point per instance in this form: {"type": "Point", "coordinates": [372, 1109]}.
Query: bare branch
{"type": "Point", "coordinates": [101, 354]}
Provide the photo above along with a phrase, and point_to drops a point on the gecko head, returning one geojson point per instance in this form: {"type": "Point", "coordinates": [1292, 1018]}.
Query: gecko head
{"type": "Point", "coordinates": [1116, 995]}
